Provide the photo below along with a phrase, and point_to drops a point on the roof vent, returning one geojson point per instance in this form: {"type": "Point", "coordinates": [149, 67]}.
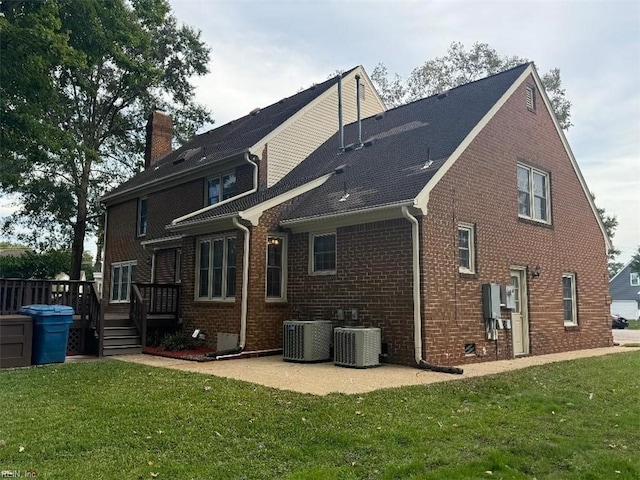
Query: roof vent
{"type": "Point", "coordinates": [156, 167]}
{"type": "Point", "coordinates": [442, 95]}
{"type": "Point", "coordinates": [202, 159]}
{"type": "Point", "coordinates": [254, 112]}
{"type": "Point", "coordinates": [345, 194]}
{"type": "Point", "coordinates": [349, 147]}
{"type": "Point", "coordinates": [380, 116]}
{"type": "Point", "coordinates": [429, 162]}
{"type": "Point", "coordinates": [344, 197]}
{"type": "Point", "coordinates": [369, 142]}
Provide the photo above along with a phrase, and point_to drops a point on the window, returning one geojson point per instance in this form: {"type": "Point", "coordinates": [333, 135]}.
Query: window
{"type": "Point", "coordinates": [634, 279]}
{"type": "Point", "coordinates": [323, 253]}
{"type": "Point", "coordinates": [142, 217]}
{"type": "Point", "coordinates": [466, 248]}
{"type": "Point", "coordinates": [213, 187]}
{"type": "Point", "coordinates": [123, 274]}
{"type": "Point", "coordinates": [216, 268]}
{"type": "Point", "coordinates": [569, 299]}
{"type": "Point", "coordinates": [533, 194]}
{"type": "Point", "coordinates": [276, 268]}
{"type": "Point", "coordinates": [531, 98]}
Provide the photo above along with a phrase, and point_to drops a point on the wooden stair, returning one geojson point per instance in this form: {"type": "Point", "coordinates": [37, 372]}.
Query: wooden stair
{"type": "Point", "coordinates": [120, 337]}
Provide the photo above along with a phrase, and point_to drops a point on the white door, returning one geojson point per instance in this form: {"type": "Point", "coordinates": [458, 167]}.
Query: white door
{"type": "Point", "coordinates": [520, 314]}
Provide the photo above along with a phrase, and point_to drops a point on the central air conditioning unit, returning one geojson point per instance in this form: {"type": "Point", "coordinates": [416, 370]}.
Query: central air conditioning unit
{"type": "Point", "coordinates": [307, 341]}
{"type": "Point", "coordinates": [357, 347]}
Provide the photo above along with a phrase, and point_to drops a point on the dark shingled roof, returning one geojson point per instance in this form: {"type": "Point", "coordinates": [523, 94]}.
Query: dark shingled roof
{"type": "Point", "coordinates": [390, 169]}
{"type": "Point", "coordinates": [234, 137]}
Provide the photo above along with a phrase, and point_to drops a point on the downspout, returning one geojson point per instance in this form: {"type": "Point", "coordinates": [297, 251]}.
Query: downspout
{"type": "Point", "coordinates": [247, 157]}
{"type": "Point", "coordinates": [417, 306]}
{"type": "Point", "coordinates": [236, 352]}
{"type": "Point", "coordinates": [245, 284]}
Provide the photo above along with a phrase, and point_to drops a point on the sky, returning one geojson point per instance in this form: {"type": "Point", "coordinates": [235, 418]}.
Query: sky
{"type": "Point", "coordinates": [262, 51]}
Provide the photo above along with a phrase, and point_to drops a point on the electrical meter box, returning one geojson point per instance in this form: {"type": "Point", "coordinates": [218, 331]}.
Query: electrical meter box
{"type": "Point", "coordinates": [491, 300]}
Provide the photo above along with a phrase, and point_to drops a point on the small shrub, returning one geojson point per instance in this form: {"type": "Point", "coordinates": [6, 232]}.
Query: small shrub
{"type": "Point", "coordinates": [177, 341]}
{"type": "Point", "coordinates": [155, 338]}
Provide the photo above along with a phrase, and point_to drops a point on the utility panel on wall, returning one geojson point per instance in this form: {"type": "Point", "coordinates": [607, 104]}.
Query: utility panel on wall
{"type": "Point", "coordinates": [491, 300]}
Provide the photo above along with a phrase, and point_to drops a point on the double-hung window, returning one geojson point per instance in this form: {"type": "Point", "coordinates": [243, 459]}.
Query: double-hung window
{"type": "Point", "coordinates": [323, 253]}
{"type": "Point", "coordinates": [569, 304]}
{"type": "Point", "coordinates": [220, 188]}
{"type": "Point", "coordinates": [276, 268]}
{"type": "Point", "coordinates": [123, 274]}
{"type": "Point", "coordinates": [533, 194]}
{"type": "Point", "coordinates": [634, 279]}
{"type": "Point", "coordinates": [216, 268]}
{"type": "Point", "coordinates": [142, 217]}
{"type": "Point", "coordinates": [466, 248]}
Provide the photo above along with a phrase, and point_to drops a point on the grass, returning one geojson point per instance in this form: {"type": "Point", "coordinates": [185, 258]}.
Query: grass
{"type": "Point", "coordinates": [634, 325]}
{"type": "Point", "coordinates": [108, 420]}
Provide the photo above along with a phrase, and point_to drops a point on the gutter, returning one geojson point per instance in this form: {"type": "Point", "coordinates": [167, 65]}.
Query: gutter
{"type": "Point", "coordinates": [113, 197]}
{"type": "Point", "coordinates": [247, 157]}
{"type": "Point", "coordinates": [417, 307]}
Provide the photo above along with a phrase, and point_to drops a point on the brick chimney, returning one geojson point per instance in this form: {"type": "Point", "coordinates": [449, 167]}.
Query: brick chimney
{"type": "Point", "coordinates": [159, 136]}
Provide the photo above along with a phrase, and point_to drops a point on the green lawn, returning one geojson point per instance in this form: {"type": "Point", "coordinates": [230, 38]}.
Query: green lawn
{"type": "Point", "coordinates": [111, 420]}
{"type": "Point", "coordinates": [634, 324]}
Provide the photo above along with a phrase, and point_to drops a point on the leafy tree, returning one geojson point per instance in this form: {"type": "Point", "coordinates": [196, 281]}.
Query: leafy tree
{"type": "Point", "coordinates": [635, 262]}
{"type": "Point", "coordinates": [77, 80]}
{"type": "Point", "coordinates": [460, 66]}
{"type": "Point", "coordinates": [610, 223]}
{"type": "Point", "coordinates": [41, 265]}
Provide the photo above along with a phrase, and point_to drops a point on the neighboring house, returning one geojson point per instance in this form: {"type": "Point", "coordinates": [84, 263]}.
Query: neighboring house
{"type": "Point", "coordinates": [624, 289]}
{"type": "Point", "coordinates": [398, 230]}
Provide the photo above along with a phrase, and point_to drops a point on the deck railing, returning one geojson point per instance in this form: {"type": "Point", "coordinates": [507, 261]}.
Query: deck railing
{"type": "Point", "coordinates": [153, 299]}
{"type": "Point", "coordinates": [82, 296]}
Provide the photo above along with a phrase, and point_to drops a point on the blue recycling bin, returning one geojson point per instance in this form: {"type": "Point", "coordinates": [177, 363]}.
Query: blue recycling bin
{"type": "Point", "coordinates": [50, 332]}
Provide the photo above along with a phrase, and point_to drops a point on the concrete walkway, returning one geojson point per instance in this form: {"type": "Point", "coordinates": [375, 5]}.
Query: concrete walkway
{"type": "Point", "coordinates": [325, 378]}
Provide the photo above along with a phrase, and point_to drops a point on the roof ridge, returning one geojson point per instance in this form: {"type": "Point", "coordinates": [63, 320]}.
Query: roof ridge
{"type": "Point", "coordinates": [460, 86]}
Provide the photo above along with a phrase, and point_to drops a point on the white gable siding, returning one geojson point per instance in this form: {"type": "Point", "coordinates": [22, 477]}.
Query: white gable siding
{"type": "Point", "coordinates": [316, 124]}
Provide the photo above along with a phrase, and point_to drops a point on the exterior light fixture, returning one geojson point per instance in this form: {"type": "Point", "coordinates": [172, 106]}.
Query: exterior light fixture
{"type": "Point", "coordinates": [534, 272]}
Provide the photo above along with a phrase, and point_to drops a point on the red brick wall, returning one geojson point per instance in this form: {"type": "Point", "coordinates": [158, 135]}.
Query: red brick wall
{"type": "Point", "coordinates": [264, 319]}
{"type": "Point", "coordinates": [481, 188]}
{"type": "Point", "coordinates": [373, 275]}
{"type": "Point", "coordinates": [162, 207]}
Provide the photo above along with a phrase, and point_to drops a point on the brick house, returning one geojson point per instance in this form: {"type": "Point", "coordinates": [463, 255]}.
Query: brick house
{"type": "Point", "coordinates": [399, 228]}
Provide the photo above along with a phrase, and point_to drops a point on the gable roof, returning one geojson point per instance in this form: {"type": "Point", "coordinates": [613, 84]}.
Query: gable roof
{"type": "Point", "coordinates": [620, 287]}
{"type": "Point", "coordinates": [229, 140]}
{"type": "Point", "coordinates": [403, 137]}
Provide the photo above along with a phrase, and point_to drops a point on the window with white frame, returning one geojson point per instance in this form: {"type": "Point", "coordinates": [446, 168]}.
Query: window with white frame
{"type": "Point", "coordinates": [216, 268]}
{"type": "Point", "coordinates": [531, 98]}
{"type": "Point", "coordinates": [323, 253]}
{"type": "Point", "coordinates": [533, 194]}
{"type": "Point", "coordinates": [142, 217]}
{"type": "Point", "coordinates": [634, 279]}
{"type": "Point", "coordinates": [569, 306]}
{"type": "Point", "coordinates": [276, 268]}
{"type": "Point", "coordinates": [220, 188]}
{"type": "Point", "coordinates": [123, 274]}
{"type": "Point", "coordinates": [466, 248]}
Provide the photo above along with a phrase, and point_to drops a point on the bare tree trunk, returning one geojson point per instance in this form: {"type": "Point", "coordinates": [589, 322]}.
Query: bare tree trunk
{"type": "Point", "coordinates": [80, 227]}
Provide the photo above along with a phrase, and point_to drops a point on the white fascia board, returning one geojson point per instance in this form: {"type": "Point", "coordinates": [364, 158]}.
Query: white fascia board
{"type": "Point", "coordinates": [184, 177]}
{"type": "Point", "coordinates": [422, 199]}
{"type": "Point", "coordinates": [565, 143]}
{"type": "Point", "coordinates": [163, 243]}
{"type": "Point", "coordinates": [387, 211]}
{"type": "Point", "coordinates": [207, 226]}
{"type": "Point", "coordinates": [254, 213]}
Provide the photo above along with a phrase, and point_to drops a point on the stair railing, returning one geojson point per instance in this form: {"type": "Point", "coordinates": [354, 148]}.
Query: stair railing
{"type": "Point", "coordinates": [138, 313]}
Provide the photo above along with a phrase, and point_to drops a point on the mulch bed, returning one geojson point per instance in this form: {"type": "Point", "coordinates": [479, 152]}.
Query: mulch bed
{"type": "Point", "coordinates": [195, 354]}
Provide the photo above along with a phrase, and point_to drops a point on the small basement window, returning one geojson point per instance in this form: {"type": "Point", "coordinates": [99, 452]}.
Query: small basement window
{"type": "Point", "coordinates": [469, 348]}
